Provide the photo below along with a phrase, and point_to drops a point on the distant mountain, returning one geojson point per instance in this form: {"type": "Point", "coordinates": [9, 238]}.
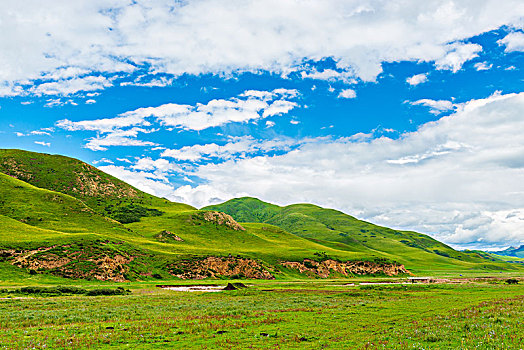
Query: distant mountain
{"type": "Point", "coordinates": [517, 252]}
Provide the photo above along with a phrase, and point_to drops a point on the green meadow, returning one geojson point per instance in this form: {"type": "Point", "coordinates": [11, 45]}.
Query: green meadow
{"type": "Point", "coordinates": [277, 315]}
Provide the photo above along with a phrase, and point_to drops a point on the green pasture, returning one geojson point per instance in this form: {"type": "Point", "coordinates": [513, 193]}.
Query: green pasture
{"type": "Point", "coordinates": [269, 314]}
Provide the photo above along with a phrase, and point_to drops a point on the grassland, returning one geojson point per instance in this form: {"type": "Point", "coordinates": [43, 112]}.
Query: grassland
{"type": "Point", "coordinates": [277, 315]}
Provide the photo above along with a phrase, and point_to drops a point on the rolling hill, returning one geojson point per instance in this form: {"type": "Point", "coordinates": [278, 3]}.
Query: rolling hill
{"type": "Point", "coordinates": [62, 217]}
{"type": "Point", "coordinates": [343, 232]}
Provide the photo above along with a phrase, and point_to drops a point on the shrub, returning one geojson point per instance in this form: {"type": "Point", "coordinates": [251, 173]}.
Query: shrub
{"type": "Point", "coordinates": [131, 213]}
{"type": "Point", "coordinates": [108, 291]}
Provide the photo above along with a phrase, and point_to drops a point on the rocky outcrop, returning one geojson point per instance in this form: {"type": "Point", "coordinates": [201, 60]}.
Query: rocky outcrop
{"type": "Point", "coordinates": [216, 217]}
{"type": "Point", "coordinates": [215, 267]}
{"type": "Point", "coordinates": [166, 236]}
{"type": "Point", "coordinates": [325, 268]}
{"type": "Point", "coordinates": [71, 262]}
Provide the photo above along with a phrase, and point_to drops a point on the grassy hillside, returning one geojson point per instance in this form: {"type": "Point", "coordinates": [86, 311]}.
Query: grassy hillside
{"type": "Point", "coordinates": [100, 191]}
{"type": "Point", "coordinates": [39, 210]}
{"type": "Point", "coordinates": [343, 232]}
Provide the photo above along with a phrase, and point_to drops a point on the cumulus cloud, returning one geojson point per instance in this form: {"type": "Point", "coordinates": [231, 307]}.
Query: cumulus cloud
{"type": "Point", "coordinates": [459, 178]}
{"type": "Point", "coordinates": [118, 138]}
{"type": "Point", "coordinates": [237, 146]}
{"type": "Point", "coordinates": [150, 182]}
{"type": "Point", "coordinates": [251, 105]}
{"type": "Point", "coordinates": [417, 79]}
{"type": "Point", "coordinates": [483, 66]}
{"type": "Point", "coordinates": [42, 143]}
{"type": "Point", "coordinates": [70, 43]}
{"type": "Point", "coordinates": [124, 129]}
{"type": "Point", "coordinates": [436, 106]}
{"type": "Point", "coordinates": [347, 93]}
{"type": "Point", "coordinates": [513, 42]}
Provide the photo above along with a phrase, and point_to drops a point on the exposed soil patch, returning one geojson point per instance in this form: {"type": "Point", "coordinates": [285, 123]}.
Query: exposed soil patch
{"type": "Point", "coordinates": [77, 262]}
{"type": "Point", "coordinates": [325, 268]}
{"type": "Point", "coordinates": [217, 218]}
{"type": "Point", "coordinates": [167, 236]}
{"type": "Point", "coordinates": [215, 267]}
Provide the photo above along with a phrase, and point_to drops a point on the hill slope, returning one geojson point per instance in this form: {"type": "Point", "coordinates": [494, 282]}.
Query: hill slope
{"type": "Point", "coordinates": [102, 192]}
{"type": "Point", "coordinates": [338, 230]}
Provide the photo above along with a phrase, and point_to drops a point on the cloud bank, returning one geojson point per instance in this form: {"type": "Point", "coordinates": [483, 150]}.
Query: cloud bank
{"type": "Point", "coordinates": [63, 47]}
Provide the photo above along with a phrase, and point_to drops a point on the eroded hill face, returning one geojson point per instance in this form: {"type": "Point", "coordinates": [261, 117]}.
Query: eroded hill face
{"type": "Point", "coordinates": [63, 174]}
{"type": "Point", "coordinates": [102, 192]}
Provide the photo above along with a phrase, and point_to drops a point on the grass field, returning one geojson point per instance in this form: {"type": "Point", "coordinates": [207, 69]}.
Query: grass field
{"type": "Point", "coordinates": [277, 315]}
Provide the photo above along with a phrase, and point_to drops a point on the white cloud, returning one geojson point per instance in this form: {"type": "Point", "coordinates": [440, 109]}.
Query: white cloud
{"type": "Point", "coordinates": [513, 42]}
{"type": "Point", "coordinates": [143, 180]}
{"type": "Point", "coordinates": [54, 102]}
{"type": "Point", "coordinates": [103, 125]}
{"type": "Point", "coordinates": [436, 106]}
{"type": "Point", "coordinates": [70, 86]}
{"type": "Point", "coordinates": [270, 124]}
{"type": "Point", "coordinates": [118, 138]}
{"type": "Point", "coordinates": [417, 79]}
{"type": "Point", "coordinates": [103, 160]}
{"type": "Point", "coordinates": [457, 178]}
{"type": "Point", "coordinates": [42, 143]}
{"type": "Point", "coordinates": [237, 146]}
{"type": "Point", "coordinates": [482, 66]}
{"type": "Point", "coordinates": [329, 75]}
{"type": "Point", "coordinates": [457, 54]}
{"type": "Point", "coordinates": [125, 129]}
{"type": "Point", "coordinates": [68, 41]}
{"type": "Point", "coordinates": [90, 102]}
{"type": "Point", "coordinates": [40, 132]}
{"type": "Point", "coordinates": [347, 93]}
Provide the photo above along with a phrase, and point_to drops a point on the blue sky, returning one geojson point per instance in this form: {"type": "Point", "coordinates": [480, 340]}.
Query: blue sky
{"type": "Point", "coordinates": [410, 116]}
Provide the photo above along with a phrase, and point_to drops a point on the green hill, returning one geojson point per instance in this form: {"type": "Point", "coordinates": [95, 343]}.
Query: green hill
{"type": "Point", "coordinates": [102, 192]}
{"type": "Point", "coordinates": [343, 232]}
{"type": "Point", "coordinates": [62, 217]}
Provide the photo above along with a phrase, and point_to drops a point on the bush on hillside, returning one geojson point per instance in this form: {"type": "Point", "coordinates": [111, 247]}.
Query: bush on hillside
{"type": "Point", "coordinates": [130, 213]}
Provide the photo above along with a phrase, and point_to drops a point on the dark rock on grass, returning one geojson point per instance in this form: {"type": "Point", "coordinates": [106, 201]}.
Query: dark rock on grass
{"type": "Point", "coordinates": [179, 333]}
{"type": "Point", "coordinates": [221, 332]}
{"type": "Point", "coordinates": [235, 286]}
{"type": "Point", "coordinates": [264, 334]}
{"type": "Point", "coordinates": [230, 286]}
{"type": "Point", "coordinates": [302, 339]}
{"type": "Point", "coordinates": [110, 327]}
{"type": "Point", "coordinates": [512, 281]}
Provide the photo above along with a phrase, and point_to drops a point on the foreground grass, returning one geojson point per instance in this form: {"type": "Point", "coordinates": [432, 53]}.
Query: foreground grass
{"type": "Point", "coordinates": [285, 315]}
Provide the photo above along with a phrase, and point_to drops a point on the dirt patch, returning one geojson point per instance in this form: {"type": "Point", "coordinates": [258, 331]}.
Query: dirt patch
{"type": "Point", "coordinates": [325, 268]}
{"type": "Point", "coordinates": [217, 218]}
{"type": "Point", "coordinates": [215, 267]}
{"type": "Point", "coordinates": [86, 262]}
{"type": "Point", "coordinates": [167, 236]}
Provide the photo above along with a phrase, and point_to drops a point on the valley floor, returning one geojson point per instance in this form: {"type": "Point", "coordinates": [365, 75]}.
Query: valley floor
{"type": "Point", "coordinates": [273, 314]}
